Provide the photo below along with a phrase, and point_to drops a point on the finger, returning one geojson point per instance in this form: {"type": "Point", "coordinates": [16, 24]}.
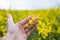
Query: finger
{"type": "Point", "coordinates": [31, 31]}
{"type": "Point", "coordinates": [10, 18]}
{"type": "Point", "coordinates": [10, 23]}
{"type": "Point", "coordinates": [25, 20]}
{"type": "Point", "coordinates": [32, 28]}
{"type": "Point", "coordinates": [21, 28]}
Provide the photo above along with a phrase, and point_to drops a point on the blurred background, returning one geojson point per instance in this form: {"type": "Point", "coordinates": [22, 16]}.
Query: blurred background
{"type": "Point", "coordinates": [48, 12]}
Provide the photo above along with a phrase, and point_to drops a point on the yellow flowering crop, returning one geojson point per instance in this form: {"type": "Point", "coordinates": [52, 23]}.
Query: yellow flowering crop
{"type": "Point", "coordinates": [48, 27]}
{"type": "Point", "coordinates": [1, 17]}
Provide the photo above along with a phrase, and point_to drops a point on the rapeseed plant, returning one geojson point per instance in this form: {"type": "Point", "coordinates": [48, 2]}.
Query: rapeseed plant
{"type": "Point", "coordinates": [44, 27]}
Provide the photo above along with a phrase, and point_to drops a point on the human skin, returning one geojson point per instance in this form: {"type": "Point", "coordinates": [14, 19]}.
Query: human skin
{"type": "Point", "coordinates": [18, 31]}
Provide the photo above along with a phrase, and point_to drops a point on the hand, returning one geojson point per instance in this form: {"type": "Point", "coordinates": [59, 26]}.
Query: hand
{"type": "Point", "coordinates": [18, 31]}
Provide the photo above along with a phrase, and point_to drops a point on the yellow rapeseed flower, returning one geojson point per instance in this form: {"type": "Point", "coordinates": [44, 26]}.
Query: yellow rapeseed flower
{"type": "Point", "coordinates": [38, 28]}
{"type": "Point", "coordinates": [33, 18]}
{"type": "Point", "coordinates": [1, 17]}
{"type": "Point", "coordinates": [30, 22]}
{"type": "Point", "coordinates": [4, 33]}
{"type": "Point", "coordinates": [26, 25]}
{"type": "Point", "coordinates": [2, 27]}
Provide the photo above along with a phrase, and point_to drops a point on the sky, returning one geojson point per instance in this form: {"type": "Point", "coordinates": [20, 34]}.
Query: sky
{"type": "Point", "coordinates": [28, 4]}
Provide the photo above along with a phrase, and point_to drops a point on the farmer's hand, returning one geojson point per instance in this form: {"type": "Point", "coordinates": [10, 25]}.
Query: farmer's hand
{"type": "Point", "coordinates": [18, 31]}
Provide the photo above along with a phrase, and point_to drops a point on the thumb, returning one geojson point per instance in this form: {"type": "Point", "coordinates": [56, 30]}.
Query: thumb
{"type": "Point", "coordinates": [10, 18]}
{"type": "Point", "coordinates": [10, 23]}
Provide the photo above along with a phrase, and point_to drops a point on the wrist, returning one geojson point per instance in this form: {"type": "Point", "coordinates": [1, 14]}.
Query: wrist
{"type": "Point", "coordinates": [8, 36]}
{"type": "Point", "coordinates": [20, 37]}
